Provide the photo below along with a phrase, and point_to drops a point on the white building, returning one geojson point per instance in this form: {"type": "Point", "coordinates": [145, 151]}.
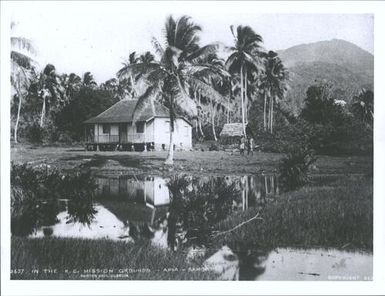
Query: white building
{"type": "Point", "coordinates": [114, 128]}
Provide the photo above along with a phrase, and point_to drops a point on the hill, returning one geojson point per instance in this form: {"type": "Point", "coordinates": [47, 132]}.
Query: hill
{"type": "Point", "coordinates": [345, 65]}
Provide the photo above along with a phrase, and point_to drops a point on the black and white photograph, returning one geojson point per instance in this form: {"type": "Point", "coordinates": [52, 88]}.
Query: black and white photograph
{"type": "Point", "coordinates": [181, 141]}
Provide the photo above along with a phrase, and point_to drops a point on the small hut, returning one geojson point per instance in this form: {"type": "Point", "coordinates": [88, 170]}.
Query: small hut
{"type": "Point", "coordinates": [231, 133]}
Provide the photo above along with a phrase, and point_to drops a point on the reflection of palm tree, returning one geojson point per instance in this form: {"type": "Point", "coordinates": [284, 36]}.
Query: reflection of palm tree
{"type": "Point", "coordinates": [195, 207]}
{"type": "Point", "coordinates": [81, 209]}
{"type": "Point", "coordinates": [251, 260]}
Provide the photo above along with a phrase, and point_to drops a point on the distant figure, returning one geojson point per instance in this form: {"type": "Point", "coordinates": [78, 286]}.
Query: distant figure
{"type": "Point", "coordinates": [250, 146]}
{"type": "Point", "coordinates": [242, 146]}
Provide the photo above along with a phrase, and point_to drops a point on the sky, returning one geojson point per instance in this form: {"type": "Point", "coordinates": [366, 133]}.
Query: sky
{"type": "Point", "coordinates": [99, 36]}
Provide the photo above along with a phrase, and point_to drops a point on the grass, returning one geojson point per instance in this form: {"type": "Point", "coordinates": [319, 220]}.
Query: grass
{"type": "Point", "coordinates": [338, 215]}
{"type": "Point", "coordinates": [81, 255]}
{"type": "Point", "coordinates": [334, 211]}
{"type": "Point", "coordinates": [195, 162]}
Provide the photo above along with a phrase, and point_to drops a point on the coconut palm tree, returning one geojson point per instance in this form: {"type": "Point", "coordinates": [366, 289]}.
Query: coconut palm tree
{"type": "Point", "coordinates": [128, 82]}
{"type": "Point", "coordinates": [50, 89]}
{"type": "Point", "coordinates": [212, 73]}
{"type": "Point", "coordinates": [363, 106]}
{"type": "Point", "coordinates": [146, 57]}
{"type": "Point", "coordinates": [21, 67]}
{"type": "Point", "coordinates": [71, 84]}
{"type": "Point", "coordinates": [244, 56]}
{"type": "Point", "coordinates": [273, 83]}
{"type": "Point", "coordinates": [88, 80]}
{"type": "Point", "coordinates": [169, 79]}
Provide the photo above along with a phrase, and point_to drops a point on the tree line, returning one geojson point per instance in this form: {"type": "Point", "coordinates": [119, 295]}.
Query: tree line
{"type": "Point", "coordinates": [246, 86]}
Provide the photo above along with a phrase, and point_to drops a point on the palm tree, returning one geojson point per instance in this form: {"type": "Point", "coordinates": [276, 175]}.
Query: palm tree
{"type": "Point", "coordinates": [244, 56]}
{"type": "Point", "coordinates": [169, 78]}
{"type": "Point", "coordinates": [71, 84]}
{"type": "Point", "coordinates": [363, 106]}
{"type": "Point", "coordinates": [88, 80]}
{"type": "Point", "coordinates": [274, 85]}
{"type": "Point", "coordinates": [212, 73]}
{"type": "Point", "coordinates": [129, 82]}
{"type": "Point", "coordinates": [21, 67]}
{"type": "Point", "coordinates": [49, 88]}
{"type": "Point", "coordinates": [146, 58]}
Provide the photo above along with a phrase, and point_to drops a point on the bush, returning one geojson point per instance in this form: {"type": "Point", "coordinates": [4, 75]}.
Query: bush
{"type": "Point", "coordinates": [293, 170]}
{"type": "Point", "coordinates": [34, 133]}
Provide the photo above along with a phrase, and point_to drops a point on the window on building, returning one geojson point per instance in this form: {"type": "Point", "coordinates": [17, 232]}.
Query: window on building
{"type": "Point", "coordinates": [187, 131]}
{"type": "Point", "coordinates": [140, 127]}
{"type": "Point", "coordinates": [106, 128]}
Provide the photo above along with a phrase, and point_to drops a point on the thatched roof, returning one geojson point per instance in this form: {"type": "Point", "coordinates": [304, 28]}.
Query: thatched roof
{"type": "Point", "coordinates": [123, 110]}
{"type": "Point", "coordinates": [232, 130]}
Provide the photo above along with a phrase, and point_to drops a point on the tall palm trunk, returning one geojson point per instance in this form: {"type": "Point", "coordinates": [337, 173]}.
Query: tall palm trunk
{"type": "Point", "coordinates": [197, 119]}
{"type": "Point", "coordinates": [264, 112]}
{"type": "Point", "coordinates": [133, 92]}
{"type": "Point", "coordinates": [42, 112]}
{"type": "Point", "coordinates": [200, 115]}
{"type": "Point", "coordinates": [246, 101]}
{"type": "Point", "coordinates": [18, 116]}
{"type": "Point", "coordinates": [242, 103]}
{"type": "Point", "coordinates": [170, 155]}
{"type": "Point", "coordinates": [213, 123]}
{"type": "Point", "coordinates": [228, 103]}
{"type": "Point", "coordinates": [271, 114]}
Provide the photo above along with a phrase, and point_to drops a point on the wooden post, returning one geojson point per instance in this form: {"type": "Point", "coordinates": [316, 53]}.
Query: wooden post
{"type": "Point", "coordinates": [109, 133]}
{"type": "Point", "coordinates": [97, 139]}
{"type": "Point", "coordinates": [145, 131]}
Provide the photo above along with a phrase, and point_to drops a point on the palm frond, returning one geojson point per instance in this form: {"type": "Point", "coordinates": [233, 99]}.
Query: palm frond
{"type": "Point", "coordinates": [256, 63]}
{"type": "Point", "coordinates": [202, 53]}
{"type": "Point", "coordinates": [132, 58]}
{"type": "Point", "coordinates": [144, 100]}
{"type": "Point", "coordinates": [21, 59]}
{"type": "Point", "coordinates": [23, 43]}
{"type": "Point", "coordinates": [233, 61]}
{"type": "Point", "coordinates": [157, 46]}
{"type": "Point", "coordinates": [156, 76]}
{"type": "Point", "coordinates": [136, 69]}
{"type": "Point", "coordinates": [170, 58]}
{"type": "Point", "coordinates": [206, 89]}
{"type": "Point", "coordinates": [185, 103]}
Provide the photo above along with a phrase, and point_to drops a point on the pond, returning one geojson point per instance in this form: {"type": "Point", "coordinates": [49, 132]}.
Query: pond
{"type": "Point", "coordinates": [292, 265]}
{"type": "Point", "coordinates": [131, 208]}
{"type": "Point", "coordinates": [183, 213]}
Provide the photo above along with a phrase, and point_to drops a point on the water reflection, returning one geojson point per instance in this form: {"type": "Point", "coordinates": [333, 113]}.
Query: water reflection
{"type": "Point", "coordinates": [176, 212]}
{"type": "Point", "coordinates": [103, 225]}
{"type": "Point", "coordinates": [290, 264]}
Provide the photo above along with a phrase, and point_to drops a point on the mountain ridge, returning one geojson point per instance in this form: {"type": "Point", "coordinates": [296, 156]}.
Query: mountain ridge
{"type": "Point", "coordinates": [342, 63]}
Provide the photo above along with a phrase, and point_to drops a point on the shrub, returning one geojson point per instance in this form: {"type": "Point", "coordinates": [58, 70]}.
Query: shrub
{"type": "Point", "coordinates": [34, 133]}
{"type": "Point", "coordinates": [293, 169]}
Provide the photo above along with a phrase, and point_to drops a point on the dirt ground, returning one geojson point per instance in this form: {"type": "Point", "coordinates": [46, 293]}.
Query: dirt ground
{"type": "Point", "coordinates": [190, 162]}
